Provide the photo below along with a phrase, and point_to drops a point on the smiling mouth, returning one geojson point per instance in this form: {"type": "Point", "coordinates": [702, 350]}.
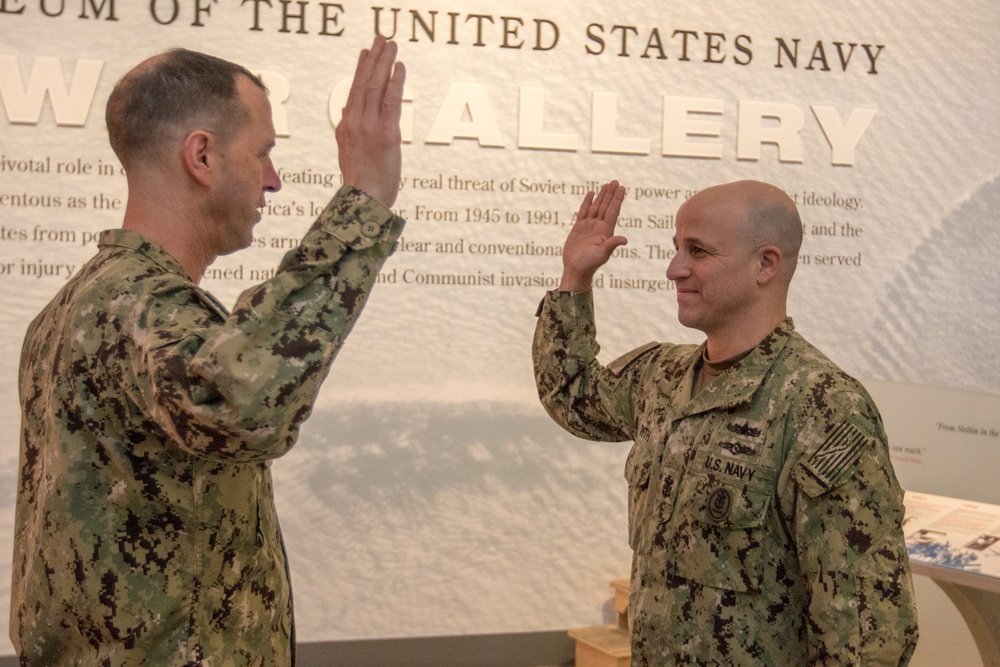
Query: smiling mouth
{"type": "Point", "coordinates": [686, 295]}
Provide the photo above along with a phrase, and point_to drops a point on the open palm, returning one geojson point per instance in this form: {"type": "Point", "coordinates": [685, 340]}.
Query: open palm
{"type": "Point", "coordinates": [592, 239]}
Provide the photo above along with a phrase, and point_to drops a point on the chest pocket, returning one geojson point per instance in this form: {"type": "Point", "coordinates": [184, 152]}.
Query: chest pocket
{"type": "Point", "coordinates": [718, 531]}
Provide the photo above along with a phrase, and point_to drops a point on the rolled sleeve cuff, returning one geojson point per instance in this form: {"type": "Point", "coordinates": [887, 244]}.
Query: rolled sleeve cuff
{"type": "Point", "coordinates": [358, 220]}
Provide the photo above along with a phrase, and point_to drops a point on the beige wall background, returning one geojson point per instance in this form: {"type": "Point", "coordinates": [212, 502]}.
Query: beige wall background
{"type": "Point", "coordinates": [429, 494]}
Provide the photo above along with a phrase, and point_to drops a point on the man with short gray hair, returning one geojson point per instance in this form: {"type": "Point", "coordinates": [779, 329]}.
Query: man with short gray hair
{"type": "Point", "coordinates": [145, 529]}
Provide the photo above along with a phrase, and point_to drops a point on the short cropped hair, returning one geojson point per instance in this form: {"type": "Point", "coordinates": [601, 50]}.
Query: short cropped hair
{"type": "Point", "coordinates": [776, 222]}
{"type": "Point", "coordinates": [169, 91]}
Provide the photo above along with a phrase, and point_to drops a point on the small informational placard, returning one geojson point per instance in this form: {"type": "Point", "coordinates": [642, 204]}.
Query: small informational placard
{"type": "Point", "coordinates": [953, 533]}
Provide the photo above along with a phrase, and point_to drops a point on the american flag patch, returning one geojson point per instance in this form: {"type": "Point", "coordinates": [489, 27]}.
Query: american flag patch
{"type": "Point", "coordinates": [841, 448]}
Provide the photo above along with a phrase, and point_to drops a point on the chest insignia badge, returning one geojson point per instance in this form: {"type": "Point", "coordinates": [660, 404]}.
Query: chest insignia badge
{"type": "Point", "coordinates": [720, 503]}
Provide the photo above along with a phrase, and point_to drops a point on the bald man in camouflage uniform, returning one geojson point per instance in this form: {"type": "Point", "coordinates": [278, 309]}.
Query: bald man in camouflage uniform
{"type": "Point", "coordinates": [146, 531]}
{"type": "Point", "coordinates": [764, 513]}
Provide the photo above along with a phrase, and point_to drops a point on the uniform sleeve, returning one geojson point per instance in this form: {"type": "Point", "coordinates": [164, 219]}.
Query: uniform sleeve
{"type": "Point", "coordinates": [238, 386]}
{"type": "Point", "coordinates": [587, 399]}
{"type": "Point", "coordinates": [848, 529]}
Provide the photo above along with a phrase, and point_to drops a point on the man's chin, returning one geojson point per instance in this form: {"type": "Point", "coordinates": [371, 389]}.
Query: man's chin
{"type": "Point", "coordinates": [687, 319]}
{"type": "Point", "coordinates": [237, 246]}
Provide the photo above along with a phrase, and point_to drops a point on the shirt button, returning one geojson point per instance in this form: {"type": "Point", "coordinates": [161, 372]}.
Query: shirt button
{"type": "Point", "coordinates": [371, 229]}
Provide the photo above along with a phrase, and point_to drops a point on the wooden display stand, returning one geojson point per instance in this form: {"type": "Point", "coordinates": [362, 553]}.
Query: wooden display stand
{"type": "Point", "coordinates": [602, 646]}
{"type": "Point", "coordinates": [621, 601]}
{"type": "Point", "coordinates": [606, 645]}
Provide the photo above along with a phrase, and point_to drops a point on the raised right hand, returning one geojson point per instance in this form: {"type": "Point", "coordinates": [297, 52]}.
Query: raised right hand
{"type": "Point", "coordinates": [591, 239]}
{"type": "Point", "coordinates": [368, 136]}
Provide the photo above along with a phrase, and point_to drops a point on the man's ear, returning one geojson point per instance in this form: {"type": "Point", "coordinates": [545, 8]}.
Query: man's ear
{"type": "Point", "coordinates": [198, 154]}
{"type": "Point", "coordinates": [770, 263]}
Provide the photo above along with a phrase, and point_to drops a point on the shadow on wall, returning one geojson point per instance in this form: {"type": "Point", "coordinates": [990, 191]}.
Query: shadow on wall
{"type": "Point", "coordinates": [908, 343]}
{"type": "Point", "coordinates": [381, 449]}
{"type": "Point", "coordinates": [463, 518]}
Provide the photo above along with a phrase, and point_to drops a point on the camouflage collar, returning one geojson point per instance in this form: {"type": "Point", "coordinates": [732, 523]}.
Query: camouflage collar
{"type": "Point", "coordinates": [154, 252]}
{"type": "Point", "coordinates": [126, 238]}
{"type": "Point", "coordinates": [737, 385]}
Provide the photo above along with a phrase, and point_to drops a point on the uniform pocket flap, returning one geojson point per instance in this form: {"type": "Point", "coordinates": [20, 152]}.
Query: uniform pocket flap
{"type": "Point", "coordinates": [718, 540]}
{"type": "Point", "coordinates": [721, 503]}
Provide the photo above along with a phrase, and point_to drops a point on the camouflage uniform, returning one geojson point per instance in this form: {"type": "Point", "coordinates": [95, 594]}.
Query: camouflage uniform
{"type": "Point", "coordinates": [764, 514]}
{"type": "Point", "coordinates": [146, 531]}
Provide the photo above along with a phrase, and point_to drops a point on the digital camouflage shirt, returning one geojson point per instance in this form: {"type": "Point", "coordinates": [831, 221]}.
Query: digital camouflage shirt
{"type": "Point", "coordinates": [146, 531]}
{"type": "Point", "coordinates": [764, 513]}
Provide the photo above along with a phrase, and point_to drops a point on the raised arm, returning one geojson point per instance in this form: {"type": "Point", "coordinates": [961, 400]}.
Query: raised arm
{"type": "Point", "coordinates": [236, 386]}
{"type": "Point", "coordinates": [368, 135]}
{"type": "Point", "coordinates": [591, 240]}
